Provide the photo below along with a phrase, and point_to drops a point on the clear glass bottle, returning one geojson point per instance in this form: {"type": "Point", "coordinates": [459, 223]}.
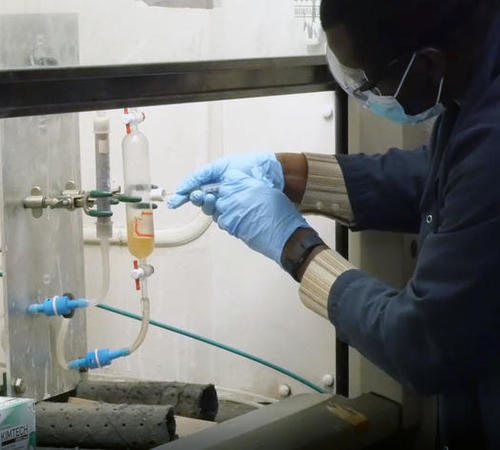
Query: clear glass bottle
{"type": "Point", "coordinates": [137, 178]}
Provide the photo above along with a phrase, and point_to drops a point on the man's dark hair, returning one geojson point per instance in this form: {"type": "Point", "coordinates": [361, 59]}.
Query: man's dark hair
{"type": "Point", "coordinates": [395, 26]}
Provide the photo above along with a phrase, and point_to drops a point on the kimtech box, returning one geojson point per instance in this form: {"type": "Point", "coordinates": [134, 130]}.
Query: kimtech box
{"type": "Point", "coordinates": [17, 424]}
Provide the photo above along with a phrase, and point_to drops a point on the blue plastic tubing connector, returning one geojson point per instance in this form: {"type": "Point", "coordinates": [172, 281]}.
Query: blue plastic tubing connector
{"type": "Point", "coordinates": [58, 306]}
{"type": "Point", "coordinates": [98, 358]}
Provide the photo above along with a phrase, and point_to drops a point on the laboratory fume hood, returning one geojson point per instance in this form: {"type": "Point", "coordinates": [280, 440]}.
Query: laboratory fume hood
{"type": "Point", "coordinates": [70, 58]}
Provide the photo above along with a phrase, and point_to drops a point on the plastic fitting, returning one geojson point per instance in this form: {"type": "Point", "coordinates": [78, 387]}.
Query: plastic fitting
{"type": "Point", "coordinates": [133, 117]}
{"type": "Point", "coordinates": [98, 358]}
{"type": "Point", "coordinates": [140, 272]}
{"type": "Point", "coordinates": [158, 194]}
{"type": "Point", "coordinates": [62, 305]}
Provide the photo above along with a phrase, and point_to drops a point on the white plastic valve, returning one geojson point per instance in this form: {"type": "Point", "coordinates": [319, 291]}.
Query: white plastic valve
{"type": "Point", "coordinates": [137, 274]}
{"type": "Point", "coordinates": [142, 271]}
{"type": "Point", "coordinates": [133, 117]}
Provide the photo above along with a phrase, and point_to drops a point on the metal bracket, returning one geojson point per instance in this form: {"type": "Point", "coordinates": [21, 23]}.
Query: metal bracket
{"type": "Point", "coordinates": [70, 199]}
{"type": "Point", "coordinates": [73, 198]}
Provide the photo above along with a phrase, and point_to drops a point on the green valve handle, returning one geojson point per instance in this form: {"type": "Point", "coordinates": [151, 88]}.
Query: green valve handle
{"type": "Point", "coordinates": [128, 199]}
{"type": "Point", "coordinates": [100, 194]}
{"type": "Point", "coordinates": [98, 213]}
{"type": "Point", "coordinates": [114, 201]}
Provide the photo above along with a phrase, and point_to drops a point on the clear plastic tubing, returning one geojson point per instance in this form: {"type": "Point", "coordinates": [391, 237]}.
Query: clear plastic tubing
{"type": "Point", "coordinates": [105, 271]}
{"type": "Point", "coordinates": [137, 178]}
{"type": "Point", "coordinates": [145, 317]}
{"type": "Point", "coordinates": [61, 339]}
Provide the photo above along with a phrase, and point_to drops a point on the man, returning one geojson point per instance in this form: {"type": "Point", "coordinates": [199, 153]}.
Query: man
{"type": "Point", "coordinates": [408, 60]}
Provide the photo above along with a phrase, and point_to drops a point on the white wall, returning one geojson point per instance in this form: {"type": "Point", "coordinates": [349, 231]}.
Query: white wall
{"type": "Point", "coordinates": [215, 286]}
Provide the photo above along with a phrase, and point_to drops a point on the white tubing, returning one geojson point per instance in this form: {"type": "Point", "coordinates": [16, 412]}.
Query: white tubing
{"type": "Point", "coordinates": [166, 238]}
{"type": "Point", "coordinates": [145, 315]}
{"type": "Point", "coordinates": [61, 339]}
{"type": "Point", "coordinates": [64, 326]}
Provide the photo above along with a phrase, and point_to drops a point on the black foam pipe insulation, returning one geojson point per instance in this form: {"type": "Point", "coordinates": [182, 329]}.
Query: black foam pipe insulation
{"type": "Point", "coordinates": [103, 426]}
{"type": "Point", "coordinates": [198, 401]}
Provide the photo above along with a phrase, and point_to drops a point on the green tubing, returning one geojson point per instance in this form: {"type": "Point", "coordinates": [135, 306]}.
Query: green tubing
{"type": "Point", "coordinates": [216, 344]}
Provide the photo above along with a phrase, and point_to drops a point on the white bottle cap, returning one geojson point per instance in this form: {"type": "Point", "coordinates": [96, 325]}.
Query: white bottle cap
{"type": "Point", "coordinates": [101, 125]}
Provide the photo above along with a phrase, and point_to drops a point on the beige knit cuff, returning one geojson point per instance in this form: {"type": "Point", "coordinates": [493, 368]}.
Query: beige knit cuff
{"type": "Point", "coordinates": [318, 280]}
{"type": "Point", "coordinates": [326, 192]}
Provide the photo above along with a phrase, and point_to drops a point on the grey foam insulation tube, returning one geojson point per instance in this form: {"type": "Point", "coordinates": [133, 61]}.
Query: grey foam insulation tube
{"type": "Point", "coordinates": [198, 401]}
{"type": "Point", "coordinates": [103, 425]}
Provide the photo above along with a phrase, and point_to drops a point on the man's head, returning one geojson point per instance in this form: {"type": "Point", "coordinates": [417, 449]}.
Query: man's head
{"type": "Point", "coordinates": [382, 36]}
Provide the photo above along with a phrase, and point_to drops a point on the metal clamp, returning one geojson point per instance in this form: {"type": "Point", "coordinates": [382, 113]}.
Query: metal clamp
{"type": "Point", "coordinates": [73, 198]}
{"type": "Point", "coordinates": [37, 202]}
{"type": "Point", "coordinates": [70, 199]}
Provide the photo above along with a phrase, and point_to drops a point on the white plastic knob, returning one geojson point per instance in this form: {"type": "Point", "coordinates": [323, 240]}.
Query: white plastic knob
{"type": "Point", "coordinates": [284, 390]}
{"type": "Point", "coordinates": [328, 380]}
{"type": "Point", "coordinates": [328, 112]}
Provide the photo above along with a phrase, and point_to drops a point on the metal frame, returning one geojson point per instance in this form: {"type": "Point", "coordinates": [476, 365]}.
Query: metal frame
{"type": "Point", "coordinates": [341, 239]}
{"type": "Point", "coordinates": [42, 257]}
{"type": "Point", "coordinates": [58, 90]}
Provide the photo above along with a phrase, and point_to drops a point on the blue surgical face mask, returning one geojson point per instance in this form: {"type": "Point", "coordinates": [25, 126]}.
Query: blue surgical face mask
{"type": "Point", "coordinates": [351, 80]}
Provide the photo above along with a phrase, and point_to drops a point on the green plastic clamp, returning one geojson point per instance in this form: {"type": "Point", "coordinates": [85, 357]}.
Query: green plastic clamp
{"type": "Point", "coordinates": [100, 194]}
{"type": "Point", "coordinates": [128, 199]}
{"type": "Point", "coordinates": [98, 213]}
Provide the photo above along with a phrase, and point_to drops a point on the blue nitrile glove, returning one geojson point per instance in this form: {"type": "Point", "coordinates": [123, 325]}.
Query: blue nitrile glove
{"type": "Point", "coordinates": [261, 216]}
{"type": "Point", "coordinates": [263, 166]}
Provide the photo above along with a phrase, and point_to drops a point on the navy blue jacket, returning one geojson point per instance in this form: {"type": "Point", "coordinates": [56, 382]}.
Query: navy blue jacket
{"type": "Point", "coordinates": [441, 333]}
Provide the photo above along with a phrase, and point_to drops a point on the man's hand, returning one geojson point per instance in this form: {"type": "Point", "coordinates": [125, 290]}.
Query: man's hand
{"type": "Point", "coordinates": [254, 211]}
{"type": "Point", "coordinates": [261, 216]}
{"type": "Point", "coordinates": [262, 166]}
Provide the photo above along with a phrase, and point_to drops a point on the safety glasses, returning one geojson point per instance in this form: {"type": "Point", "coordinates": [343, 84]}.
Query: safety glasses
{"type": "Point", "coordinates": [356, 82]}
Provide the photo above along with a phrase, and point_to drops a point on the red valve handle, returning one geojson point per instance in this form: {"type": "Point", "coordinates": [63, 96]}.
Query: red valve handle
{"type": "Point", "coordinates": [137, 281]}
